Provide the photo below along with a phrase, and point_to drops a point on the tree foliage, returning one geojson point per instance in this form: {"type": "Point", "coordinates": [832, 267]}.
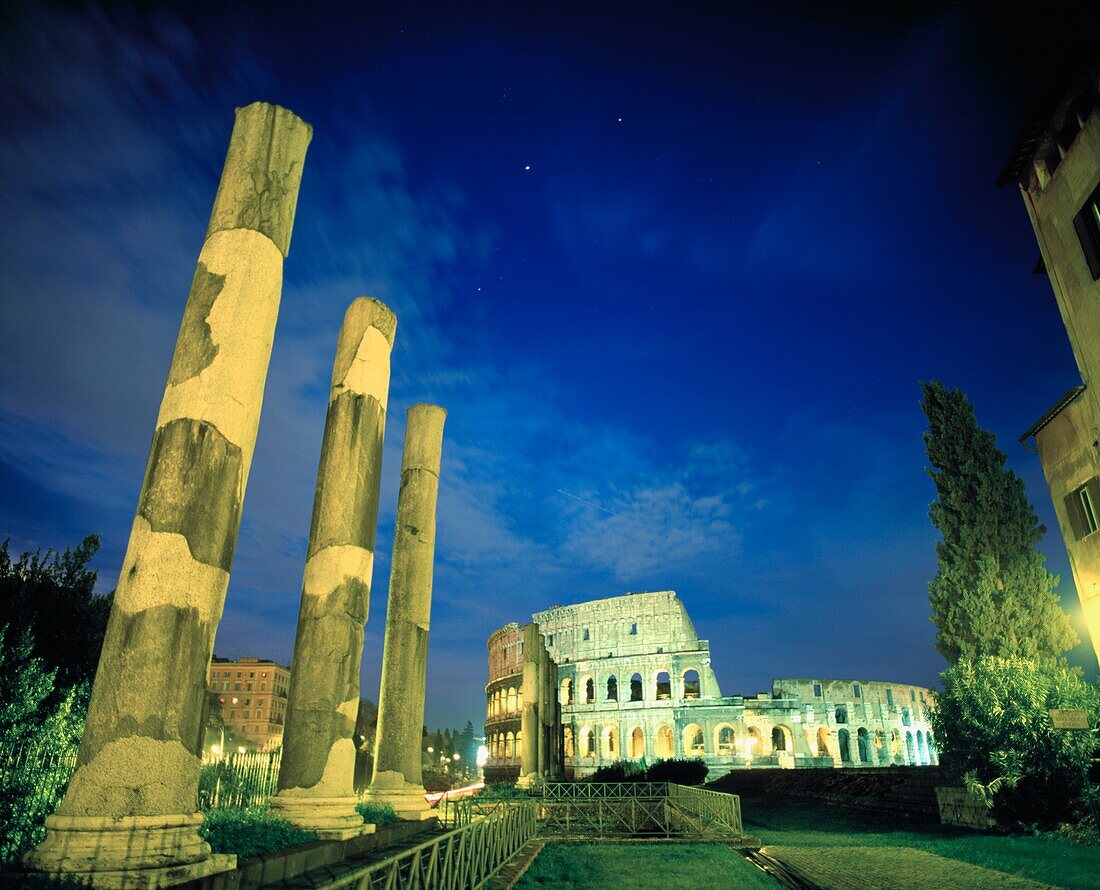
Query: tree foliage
{"type": "Point", "coordinates": [52, 596]}
{"type": "Point", "coordinates": [992, 722]}
{"type": "Point", "coordinates": [992, 594]}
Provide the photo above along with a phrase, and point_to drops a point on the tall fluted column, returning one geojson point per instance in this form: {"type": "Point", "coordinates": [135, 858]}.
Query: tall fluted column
{"type": "Point", "coordinates": [132, 802]}
{"type": "Point", "coordinates": [398, 777]}
{"type": "Point", "coordinates": [316, 777]}
{"type": "Point", "coordinates": [529, 718]}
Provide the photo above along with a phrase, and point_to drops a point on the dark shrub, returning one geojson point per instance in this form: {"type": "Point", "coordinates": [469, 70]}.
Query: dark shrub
{"type": "Point", "coordinates": [682, 772]}
{"type": "Point", "coordinates": [376, 813]}
{"type": "Point", "coordinates": [250, 832]}
{"type": "Point", "coordinates": [436, 781]}
{"type": "Point", "coordinates": [620, 771]}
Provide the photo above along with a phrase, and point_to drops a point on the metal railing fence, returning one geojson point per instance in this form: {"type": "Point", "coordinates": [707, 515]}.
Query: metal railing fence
{"type": "Point", "coordinates": [465, 857]}
{"type": "Point", "coordinates": [708, 811]}
{"type": "Point", "coordinates": [33, 780]}
{"type": "Point", "coordinates": [240, 779]}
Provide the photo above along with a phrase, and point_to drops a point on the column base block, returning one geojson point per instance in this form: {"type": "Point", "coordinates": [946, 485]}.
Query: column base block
{"type": "Point", "coordinates": [105, 844]}
{"type": "Point", "coordinates": [407, 802]}
{"type": "Point", "coordinates": [333, 818]}
{"type": "Point", "coordinates": [153, 878]}
{"type": "Point", "coordinates": [527, 781]}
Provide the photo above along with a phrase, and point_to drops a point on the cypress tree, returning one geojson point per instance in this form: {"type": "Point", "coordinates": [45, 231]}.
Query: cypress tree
{"type": "Point", "coordinates": [992, 594]}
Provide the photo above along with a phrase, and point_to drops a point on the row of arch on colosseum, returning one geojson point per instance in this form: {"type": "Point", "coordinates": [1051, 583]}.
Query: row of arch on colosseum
{"type": "Point", "coordinates": [604, 744]}
{"type": "Point", "coordinates": [588, 690]}
{"type": "Point", "coordinates": [505, 745]}
{"type": "Point", "coordinates": [505, 701]}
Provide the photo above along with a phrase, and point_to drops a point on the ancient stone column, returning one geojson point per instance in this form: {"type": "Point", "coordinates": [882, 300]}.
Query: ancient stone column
{"type": "Point", "coordinates": [398, 777]}
{"type": "Point", "coordinates": [316, 777]}
{"type": "Point", "coordinates": [545, 715]}
{"type": "Point", "coordinates": [529, 718]}
{"type": "Point", "coordinates": [132, 802]}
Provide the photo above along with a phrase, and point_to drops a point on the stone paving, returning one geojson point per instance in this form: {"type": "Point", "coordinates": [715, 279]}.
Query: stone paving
{"type": "Point", "coordinates": [899, 868]}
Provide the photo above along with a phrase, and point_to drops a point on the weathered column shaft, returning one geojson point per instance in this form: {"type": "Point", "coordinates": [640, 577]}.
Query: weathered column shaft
{"type": "Point", "coordinates": [398, 778]}
{"type": "Point", "coordinates": [529, 718]}
{"type": "Point", "coordinates": [545, 717]}
{"type": "Point", "coordinates": [316, 777]}
{"type": "Point", "coordinates": [132, 802]}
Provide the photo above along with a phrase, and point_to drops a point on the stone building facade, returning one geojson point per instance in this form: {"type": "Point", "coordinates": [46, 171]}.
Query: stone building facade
{"type": "Point", "coordinates": [635, 682]}
{"type": "Point", "coordinates": [1056, 165]}
{"type": "Point", "coordinates": [503, 713]}
{"type": "Point", "coordinates": [252, 693]}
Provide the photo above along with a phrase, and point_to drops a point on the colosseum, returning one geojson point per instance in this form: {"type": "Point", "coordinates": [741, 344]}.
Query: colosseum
{"type": "Point", "coordinates": [635, 682]}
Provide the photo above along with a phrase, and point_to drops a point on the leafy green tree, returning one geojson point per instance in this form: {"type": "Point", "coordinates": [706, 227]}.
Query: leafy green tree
{"type": "Point", "coordinates": [52, 596]}
{"type": "Point", "coordinates": [26, 715]}
{"type": "Point", "coordinates": [992, 594]}
{"type": "Point", "coordinates": [992, 722]}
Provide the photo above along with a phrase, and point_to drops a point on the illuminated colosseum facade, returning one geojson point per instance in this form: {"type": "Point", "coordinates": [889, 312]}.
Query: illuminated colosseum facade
{"type": "Point", "coordinates": [635, 683]}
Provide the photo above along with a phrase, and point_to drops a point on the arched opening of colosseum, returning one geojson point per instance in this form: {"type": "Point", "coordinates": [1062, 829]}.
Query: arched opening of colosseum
{"type": "Point", "coordinates": [824, 748]}
{"type": "Point", "coordinates": [922, 755]}
{"type": "Point", "coordinates": [612, 688]}
{"type": "Point", "coordinates": [567, 691]}
{"type": "Point", "coordinates": [610, 743]}
{"type": "Point", "coordinates": [588, 749]}
{"type": "Point", "coordinates": [691, 683]}
{"type": "Point", "coordinates": [844, 742]}
{"type": "Point", "coordinates": [724, 739]}
{"type": "Point", "coordinates": [664, 686]}
{"type": "Point", "coordinates": [589, 691]}
{"type": "Point", "coordinates": [636, 687]}
{"type": "Point", "coordinates": [519, 743]}
{"type": "Point", "coordinates": [637, 744]}
{"type": "Point", "coordinates": [567, 740]}
{"type": "Point", "coordinates": [664, 742]}
{"type": "Point", "coordinates": [509, 746]}
{"type": "Point", "coordinates": [909, 752]}
{"type": "Point", "coordinates": [841, 714]}
{"type": "Point", "coordinates": [782, 739]}
{"type": "Point", "coordinates": [906, 718]}
{"type": "Point", "coordinates": [694, 744]}
{"type": "Point", "coordinates": [895, 744]}
{"type": "Point", "coordinates": [754, 742]}
{"type": "Point", "coordinates": [863, 742]}
{"type": "Point", "coordinates": [512, 707]}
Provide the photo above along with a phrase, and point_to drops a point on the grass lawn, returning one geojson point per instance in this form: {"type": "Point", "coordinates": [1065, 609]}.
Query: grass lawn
{"type": "Point", "coordinates": [784, 822]}
{"type": "Point", "coordinates": [631, 866]}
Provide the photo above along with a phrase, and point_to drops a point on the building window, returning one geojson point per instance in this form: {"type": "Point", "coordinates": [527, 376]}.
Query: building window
{"type": "Point", "coordinates": [817, 690]}
{"type": "Point", "coordinates": [841, 715]}
{"type": "Point", "coordinates": [236, 687]}
{"type": "Point", "coordinates": [1087, 224]}
{"type": "Point", "coordinates": [1083, 506]}
{"type": "Point", "coordinates": [634, 629]}
{"type": "Point", "coordinates": [890, 697]}
{"type": "Point", "coordinates": [549, 639]}
{"type": "Point", "coordinates": [856, 691]}
{"type": "Point", "coordinates": [586, 633]}
{"type": "Point", "coordinates": [664, 686]}
{"type": "Point", "coordinates": [238, 675]}
{"type": "Point", "coordinates": [251, 675]}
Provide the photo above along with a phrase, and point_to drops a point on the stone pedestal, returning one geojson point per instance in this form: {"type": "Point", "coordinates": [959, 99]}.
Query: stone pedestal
{"type": "Point", "coordinates": [317, 773]}
{"type": "Point", "coordinates": [131, 804]}
{"type": "Point", "coordinates": [398, 777]}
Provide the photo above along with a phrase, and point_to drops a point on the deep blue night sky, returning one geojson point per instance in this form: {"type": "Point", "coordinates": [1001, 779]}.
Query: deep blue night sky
{"type": "Point", "coordinates": [687, 265]}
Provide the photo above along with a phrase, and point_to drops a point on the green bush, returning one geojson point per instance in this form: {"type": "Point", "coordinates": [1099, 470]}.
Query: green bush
{"type": "Point", "coordinates": [376, 813]}
{"type": "Point", "coordinates": [992, 725]}
{"type": "Point", "coordinates": [683, 772]}
{"type": "Point", "coordinates": [250, 831]}
{"type": "Point", "coordinates": [620, 771]}
{"type": "Point", "coordinates": [503, 791]}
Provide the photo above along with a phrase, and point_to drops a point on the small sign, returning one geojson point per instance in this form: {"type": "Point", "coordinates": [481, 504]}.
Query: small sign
{"type": "Point", "coordinates": [1063, 718]}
